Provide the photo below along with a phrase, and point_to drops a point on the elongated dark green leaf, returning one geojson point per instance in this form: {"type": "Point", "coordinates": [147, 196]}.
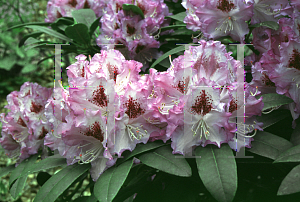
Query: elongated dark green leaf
{"type": "Point", "coordinates": [18, 182]}
{"type": "Point", "coordinates": [178, 16]}
{"type": "Point", "coordinates": [163, 159]}
{"type": "Point", "coordinates": [273, 100]}
{"type": "Point", "coordinates": [291, 183]}
{"type": "Point", "coordinates": [134, 9]}
{"type": "Point", "coordinates": [110, 182]}
{"type": "Point", "coordinates": [79, 33]}
{"type": "Point", "coordinates": [84, 16]}
{"type": "Point", "coordinates": [290, 155]}
{"type": "Point", "coordinates": [173, 51]}
{"type": "Point", "coordinates": [34, 35]}
{"type": "Point", "coordinates": [269, 145]}
{"type": "Point", "coordinates": [44, 165]}
{"type": "Point", "coordinates": [295, 137]}
{"type": "Point", "coordinates": [141, 148]}
{"type": "Point", "coordinates": [30, 23]}
{"type": "Point", "coordinates": [6, 170]}
{"type": "Point", "coordinates": [94, 26]}
{"type": "Point", "coordinates": [22, 166]}
{"type": "Point", "coordinates": [17, 187]}
{"type": "Point", "coordinates": [50, 32]}
{"type": "Point", "coordinates": [218, 171]}
{"type": "Point", "coordinates": [273, 117]}
{"type": "Point", "coordinates": [172, 27]}
{"type": "Point", "coordinates": [269, 24]}
{"type": "Point", "coordinates": [59, 182]}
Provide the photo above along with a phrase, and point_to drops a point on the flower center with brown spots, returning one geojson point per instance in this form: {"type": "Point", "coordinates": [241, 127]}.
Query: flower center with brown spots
{"type": "Point", "coordinates": [86, 4]}
{"type": "Point", "coordinates": [180, 86]}
{"type": "Point", "coordinates": [266, 80]}
{"type": "Point", "coordinates": [82, 72]}
{"type": "Point", "coordinates": [28, 93]}
{"type": "Point", "coordinates": [99, 97]}
{"type": "Point", "coordinates": [130, 30]}
{"type": "Point", "coordinates": [232, 105]}
{"type": "Point", "coordinates": [43, 133]}
{"type": "Point", "coordinates": [35, 108]}
{"type": "Point", "coordinates": [113, 71]}
{"type": "Point", "coordinates": [133, 108]}
{"type": "Point", "coordinates": [73, 3]}
{"type": "Point", "coordinates": [225, 5]}
{"type": "Point", "coordinates": [203, 104]}
{"type": "Point", "coordinates": [95, 131]}
{"type": "Point", "coordinates": [21, 122]}
{"type": "Point", "coordinates": [294, 61]}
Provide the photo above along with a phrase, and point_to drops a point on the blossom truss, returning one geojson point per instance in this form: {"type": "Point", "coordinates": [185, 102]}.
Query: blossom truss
{"type": "Point", "coordinates": [219, 18]}
{"type": "Point", "coordinates": [194, 100]}
{"type": "Point", "coordinates": [25, 126]}
{"type": "Point", "coordinates": [63, 8]}
{"type": "Point", "coordinates": [103, 112]}
{"type": "Point", "coordinates": [138, 36]}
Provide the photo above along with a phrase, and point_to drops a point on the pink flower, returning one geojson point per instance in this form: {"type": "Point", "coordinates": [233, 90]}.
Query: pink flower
{"type": "Point", "coordinates": [25, 126]}
{"type": "Point", "coordinates": [224, 17]}
{"type": "Point", "coordinates": [85, 142]}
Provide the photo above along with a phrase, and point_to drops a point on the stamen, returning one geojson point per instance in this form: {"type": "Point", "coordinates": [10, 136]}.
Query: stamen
{"type": "Point", "coordinates": [132, 136]}
{"type": "Point", "coordinates": [171, 62]}
{"type": "Point", "coordinates": [204, 128]}
{"type": "Point", "coordinates": [255, 92]}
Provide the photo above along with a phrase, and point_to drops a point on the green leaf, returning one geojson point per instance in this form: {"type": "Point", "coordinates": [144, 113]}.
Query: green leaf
{"type": "Point", "coordinates": [269, 145]}
{"type": "Point", "coordinates": [30, 23]}
{"type": "Point", "coordinates": [218, 171]}
{"type": "Point", "coordinates": [134, 9]}
{"type": "Point", "coordinates": [291, 183]}
{"type": "Point", "coordinates": [8, 62]}
{"type": "Point", "coordinates": [290, 155]}
{"type": "Point", "coordinates": [79, 33]}
{"type": "Point", "coordinates": [84, 16]}
{"type": "Point", "coordinates": [6, 170]}
{"type": "Point", "coordinates": [50, 32]}
{"type": "Point", "coordinates": [269, 24]}
{"type": "Point", "coordinates": [22, 166]}
{"type": "Point", "coordinates": [273, 100]}
{"type": "Point", "coordinates": [17, 187]}
{"type": "Point", "coordinates": [164, 160]}
{"type": "Point", "coordinates": [110, 182]}
{"type": "Point", "coordinates": [178, 16]}
{"type": "Point", "coordinates": [29, 68]}
{"type": "Point", "coordinates": [33, 35]}
{"type": "Point", "coordinates": [3, 189]}
{"type": "Point", "coordinates": [273, 117]}
{"type": "Point", "coordinates": [172, 27]}
{"type": "Point", "coordinates": [44, 165]}
{"type": "Point", "coordinates": [173, 51]}
{"type": "Point", "coordinates": [18, 182]}
{"type": "Point", "coordinates": [141, 148]}
{"type": "Point", "coordinates": [94, 26]}
{"type": "Point", "coordinates": [59, 182]}
{"type": "Point", "coordinates": [295, 137]}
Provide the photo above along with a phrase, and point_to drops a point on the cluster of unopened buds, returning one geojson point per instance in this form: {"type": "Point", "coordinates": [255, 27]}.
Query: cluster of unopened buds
{"type": "Point", "coordinates": [109, 107]}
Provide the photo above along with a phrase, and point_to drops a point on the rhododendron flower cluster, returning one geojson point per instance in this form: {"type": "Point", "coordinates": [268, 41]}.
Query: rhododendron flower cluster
{"type": "Point", "coordinates": [276, 69]}
{"type": "Point", "coordinates": [25, 126]}
{"type": "Point", "coordinates": [109, 108]}
{"type": "Point", "coordinates": [219, 18]}
{"type": "Point", "coordinates": [136, 35]}
{"type": "Point", "coordinates": [63, 8]}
